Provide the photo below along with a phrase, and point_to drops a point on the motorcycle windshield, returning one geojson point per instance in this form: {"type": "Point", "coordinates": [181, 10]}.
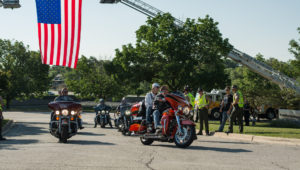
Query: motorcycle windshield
{"type": "Point", "coordinates": [176, 99]}
{"type": "Point", "coordinates": [60, 105]}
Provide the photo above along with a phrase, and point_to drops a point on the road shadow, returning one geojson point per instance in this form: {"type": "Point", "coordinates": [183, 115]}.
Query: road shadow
{"type": "Point", "coordinates": [87, 142]}
{"type": "Point", "coordinates": [6, 145]}
{"type": "Point", "coordinates": [90, 134]}
{"type": "Point", "coordinates": [25, 128]}
{"type": "Point", "coordinates": [217, 149]}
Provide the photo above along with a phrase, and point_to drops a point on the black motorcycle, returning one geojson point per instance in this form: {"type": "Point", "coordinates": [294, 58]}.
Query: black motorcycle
{"type": "Point", "coordinates": [102, 117]}
{"type": "Point", "coordinates": [64, 121]}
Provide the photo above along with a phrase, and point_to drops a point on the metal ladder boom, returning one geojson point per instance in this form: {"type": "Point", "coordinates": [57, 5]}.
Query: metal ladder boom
{"type": "Point", "coordinates": [259, 67]}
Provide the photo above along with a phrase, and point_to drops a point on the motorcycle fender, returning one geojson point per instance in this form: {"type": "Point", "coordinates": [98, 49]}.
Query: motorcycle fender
{"type": "Point", "coordinates": [64, 122]}
{"type": "Point", "coordinates": [188, 122]}
{"type": "Point", "coordinates": [165, 124]}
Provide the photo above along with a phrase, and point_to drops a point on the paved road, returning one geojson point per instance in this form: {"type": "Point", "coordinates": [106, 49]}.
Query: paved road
{"type": "Point", "coordinates": [30, 146]}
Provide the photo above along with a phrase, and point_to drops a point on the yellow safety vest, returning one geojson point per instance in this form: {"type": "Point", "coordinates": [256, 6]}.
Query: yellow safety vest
{"type": "Point", "coordinates": [241, 99]}
{"type": "Point", "coordinates": [192, 99]}
{"type": "Point", "coordinates": [202, 101]}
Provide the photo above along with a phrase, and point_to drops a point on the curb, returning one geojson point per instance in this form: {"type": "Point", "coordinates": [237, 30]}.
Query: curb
{"type": "Point", "coordinates": [258, 139]}
{"type": "Point", "coordinates": [7, 127]}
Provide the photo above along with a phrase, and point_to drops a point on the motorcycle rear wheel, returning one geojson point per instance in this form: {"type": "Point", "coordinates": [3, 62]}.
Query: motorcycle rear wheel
{"type": "Point", "coordinates": [146, 141]}
{"type": "Point", "coordinates": [186, 139]}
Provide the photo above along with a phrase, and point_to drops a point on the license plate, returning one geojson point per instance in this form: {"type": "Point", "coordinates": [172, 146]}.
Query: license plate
{"type": "Point", "coordinates": [138, 118]}
{"type": "Point", "coordinates": [64, 122]}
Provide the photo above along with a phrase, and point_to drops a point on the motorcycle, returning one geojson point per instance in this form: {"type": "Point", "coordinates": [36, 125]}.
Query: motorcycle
{"type": "Point", "coordinates": [102, 118]}
{"type": "Point", "coordinates": [64, 119]}
{"type": "Point", "coordinates": [176, 125]}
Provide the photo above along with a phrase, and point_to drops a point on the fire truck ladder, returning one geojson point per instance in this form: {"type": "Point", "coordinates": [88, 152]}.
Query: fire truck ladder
{"type": "Point", "coordinates": [256, 66]}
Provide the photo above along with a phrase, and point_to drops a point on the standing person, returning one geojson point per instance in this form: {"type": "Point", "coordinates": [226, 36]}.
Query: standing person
{"type": "Point", "coordinates": [246, 113]}
{"type": "Point", "coordinates": [237, 111]}
{"type": "Point", "coordinates": [1, 118]}
{"type": "Point", "coordinates": [225, 108]}
{"type": "Point", "coordinates": [190, 98]}
{"type": "Point", "coordinates": [203, 104]}
{"type": "Point", "coordinates": [149, 102]}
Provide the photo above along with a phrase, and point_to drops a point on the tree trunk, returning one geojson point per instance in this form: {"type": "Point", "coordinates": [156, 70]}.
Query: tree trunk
{"type": "Point", "coordinates": [8, 100]}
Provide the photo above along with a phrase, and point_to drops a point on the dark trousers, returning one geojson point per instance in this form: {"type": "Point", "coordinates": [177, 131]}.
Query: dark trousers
{"type": "Point", "coordinates": [203, 115]}
{"type": "Point", "coordinates": [237, 112]}
{"type": "Point", "coordinates": [0, 128]}
{"type": "Point", "coordinates": [246, 117]}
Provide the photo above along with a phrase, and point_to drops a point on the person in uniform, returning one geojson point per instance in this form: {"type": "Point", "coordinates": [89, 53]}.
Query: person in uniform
{"type": "Point", "coordinates": [190, 98]}
{"type": "Point", "coordinates": [1, 118]}
{"type": "Point", "coordinates": [237, 111]}
{"type": "Point", "coordinates": [203, 104]}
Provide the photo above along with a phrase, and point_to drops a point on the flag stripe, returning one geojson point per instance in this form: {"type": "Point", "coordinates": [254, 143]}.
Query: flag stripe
{"type": "Point", "coordinates": [58, 44]}
{"type": "Point", "coordinates": [79, 33]}
{"type": "Point", "coordinates": [72, 33]}
{"type": "Point", "coordinates": [66, 32]}
{"type": "Point", "coordinates": [52, 44]}
{"type": "Point", "coordinates": [45, 42]}
{"type": "Point", "coordinates": [39, 34]}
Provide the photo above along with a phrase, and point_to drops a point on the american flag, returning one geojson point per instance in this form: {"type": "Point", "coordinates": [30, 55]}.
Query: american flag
{"type": "Point", "coordinates": [59, 29]}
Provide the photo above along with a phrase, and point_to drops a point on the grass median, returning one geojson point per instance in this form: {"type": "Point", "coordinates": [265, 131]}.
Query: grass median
{"type": "Point", "coordinates": [4, 122]}
{"type": "Point", "coordinates": [276, 128]}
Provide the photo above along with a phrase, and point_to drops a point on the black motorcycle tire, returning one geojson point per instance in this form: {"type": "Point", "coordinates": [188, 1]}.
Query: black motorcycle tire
{"type": "Point", "coordinates": [190, 140]}
{"type": "Point", "coordinates": [146, 141]}
{"type": "Point", "coordinates": [102, 125]}
{"type": "Point", "coordinates": [64, 134]}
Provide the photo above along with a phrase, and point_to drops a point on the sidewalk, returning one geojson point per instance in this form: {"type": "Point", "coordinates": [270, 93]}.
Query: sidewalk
{"type": "Point", "coordinates": [257, 139]}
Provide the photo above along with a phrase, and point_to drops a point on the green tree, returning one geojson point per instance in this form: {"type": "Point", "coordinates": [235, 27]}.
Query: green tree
{"type": "Point", "coordinates": [173, 55]}
{"type": "Point", "coordinates": [90, 80]}
{"type": "Point", "coordinates": [295, 49]}
{"type": "Point", "coordinates": [24, 74]}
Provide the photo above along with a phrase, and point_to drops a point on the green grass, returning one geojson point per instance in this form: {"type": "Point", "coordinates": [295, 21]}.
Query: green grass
{"type": "Point", "coordinates": [4, 122]}
{"type": "Point", "coordinates": [276, 128]}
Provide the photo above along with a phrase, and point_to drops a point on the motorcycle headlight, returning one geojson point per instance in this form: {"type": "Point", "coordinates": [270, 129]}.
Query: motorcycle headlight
{"type": "Point", "coordinates": [186, 111]}
{"type": "Point", "coordinates": [103, 112]}
{"type": "Point", "coordinates": [127, 113]}
{"type": "Point", "coordinates": [65, 112]}
{"type": "Point", "coordinates": [73, 112]}
{"type": "Point", "coordinates": [57, 112]}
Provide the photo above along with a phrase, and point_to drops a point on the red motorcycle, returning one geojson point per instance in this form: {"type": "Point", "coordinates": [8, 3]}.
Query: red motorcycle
{"type": "Point", "coordinates": [176, 126]}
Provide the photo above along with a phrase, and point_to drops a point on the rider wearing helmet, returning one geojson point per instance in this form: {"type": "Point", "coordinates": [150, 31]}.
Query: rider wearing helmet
{"type": "Point", "coordinates": [102, 106]}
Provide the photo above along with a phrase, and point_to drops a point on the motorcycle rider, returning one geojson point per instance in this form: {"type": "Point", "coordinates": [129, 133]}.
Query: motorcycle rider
{"type": "Point", "coordinates": [63, 96]}
{"type": "Point", "coordinates": [102, 106]}
{"type": "Point", "coordinates": [159, 105]}
{"type": "Point", "coordinates": [189, 97]}
{"type": "Point", "coordinates": [149, 102]}
{"type": "Point", "coordinates": [122, 107]}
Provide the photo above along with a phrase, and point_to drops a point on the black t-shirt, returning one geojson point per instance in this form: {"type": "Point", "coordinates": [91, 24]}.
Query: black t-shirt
{"type": "Point", "coordinates": [160, 103]}
{"type": "Point", "coordinates": [228, 99]}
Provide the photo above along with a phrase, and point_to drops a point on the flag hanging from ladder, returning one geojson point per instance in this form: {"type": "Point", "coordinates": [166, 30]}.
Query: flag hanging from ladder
{"type": "Point", "coordinates": [59, 29]}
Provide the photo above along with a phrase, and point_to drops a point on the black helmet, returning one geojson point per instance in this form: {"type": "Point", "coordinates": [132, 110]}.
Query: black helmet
{"type": "Point", "coordinates": [234, 87]}
{"type": "Point", "coordinates": [186, 88]}
{"type": "Point", "coordinates": [101, 100]}
{"type": "Point", "coordinates": [200, 89]}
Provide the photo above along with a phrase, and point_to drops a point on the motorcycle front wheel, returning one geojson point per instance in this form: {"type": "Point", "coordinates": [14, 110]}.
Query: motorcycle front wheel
{"type": "Point", "coordinates": [64, 134]}
{"type": "Point", "coordinates": [186, 137]}
{"type": "Point", "coordinates": [146, 141]}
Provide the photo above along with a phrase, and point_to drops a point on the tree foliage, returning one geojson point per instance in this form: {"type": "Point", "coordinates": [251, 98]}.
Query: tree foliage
{"type": "Point", "coordinates": [90, 80]}
{"type": "Point", "coordinates": [173, 55]}
{"type": "Point", "coordinates": [22, 73]}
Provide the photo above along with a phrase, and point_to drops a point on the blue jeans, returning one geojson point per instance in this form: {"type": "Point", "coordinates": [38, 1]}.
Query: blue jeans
{"type": "Point", "coordinates": [148, 112]}
{"type": "Point", "coordinates": [156, 117]}
{"type": "Point", "coordinates": [224, 118]}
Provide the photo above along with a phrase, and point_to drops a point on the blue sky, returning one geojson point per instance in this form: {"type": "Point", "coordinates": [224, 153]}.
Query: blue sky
{"type": "Point", "coordinates": [252, 26]}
